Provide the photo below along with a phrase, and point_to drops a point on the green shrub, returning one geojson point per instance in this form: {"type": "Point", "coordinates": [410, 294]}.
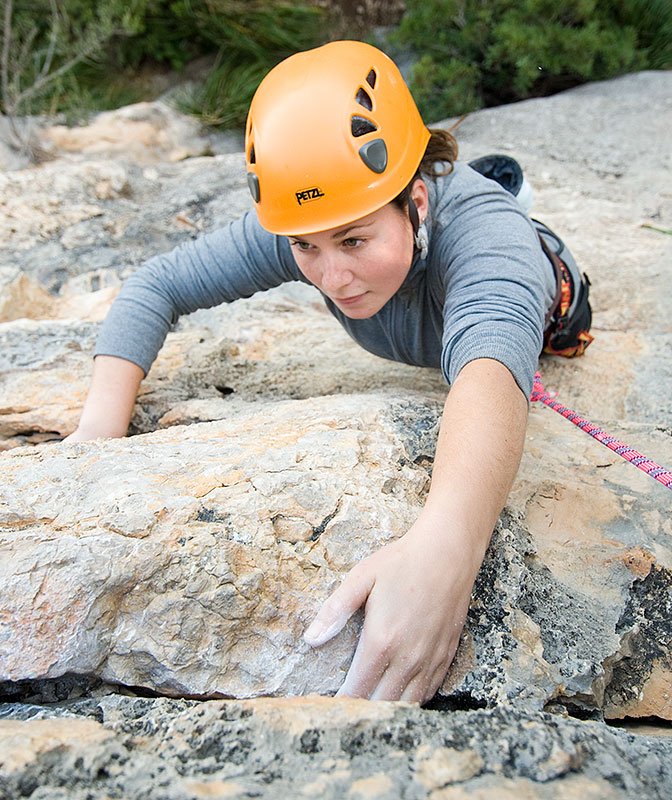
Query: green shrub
{"type": "Point", "coordinates": [476, 53]}
{"type": "Point", "coordinates": [91, 49]}
{"type": "Point", "coordinates": [448, 83]}
{"type": "Point", "coordinates": [44, 43]}
{"type": "Point", "coordinates": [224, 98]}
{"type": "Point", "coordinates": [652, 19]}
{"type": "Point", "coordinates": [250, 38]}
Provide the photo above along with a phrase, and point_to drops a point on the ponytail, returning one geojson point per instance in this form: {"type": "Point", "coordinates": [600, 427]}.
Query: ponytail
{"type": "Point", "coordinates": [440, 153]}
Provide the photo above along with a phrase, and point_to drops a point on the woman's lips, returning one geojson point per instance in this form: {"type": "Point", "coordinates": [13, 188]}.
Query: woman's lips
{"type": "Point", "coordinates": [346, 301]}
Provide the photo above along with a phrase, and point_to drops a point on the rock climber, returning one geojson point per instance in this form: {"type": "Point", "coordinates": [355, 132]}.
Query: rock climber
{"type": "Point", "coordinates": [423, 260]}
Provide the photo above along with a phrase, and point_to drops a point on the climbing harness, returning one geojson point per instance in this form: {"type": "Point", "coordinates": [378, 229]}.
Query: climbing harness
{"type": "Point", "coordinates": [567, 334]}
{"type": "Point", "coordinates": [661, 474]}
{"type": "Point", "coordinates": [567, 323]}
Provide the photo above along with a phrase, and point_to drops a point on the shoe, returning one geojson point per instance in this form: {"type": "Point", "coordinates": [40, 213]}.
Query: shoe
{"type": "Point", "coordinates": [506, 171]}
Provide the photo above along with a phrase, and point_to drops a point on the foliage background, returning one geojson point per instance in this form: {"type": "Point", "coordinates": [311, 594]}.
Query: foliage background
{"type": "Point", "coordinates": [473, 53]}
{"type": "Point", "coordinates": [74, 56]}
{"type": "Point", "coordinates": [243, 38]}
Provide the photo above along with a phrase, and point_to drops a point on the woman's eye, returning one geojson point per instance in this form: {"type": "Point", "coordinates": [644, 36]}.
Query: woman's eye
{"type": "Point", "coordinates": [352, 242]}
{"type": "Point", "coordinates": [303, 246]}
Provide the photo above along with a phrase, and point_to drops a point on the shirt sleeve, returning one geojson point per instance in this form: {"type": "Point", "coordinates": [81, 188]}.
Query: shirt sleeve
{"type": "Point", "coordinates": [496, 284]}
{"type": "Point", "coordinates": [233, 262]}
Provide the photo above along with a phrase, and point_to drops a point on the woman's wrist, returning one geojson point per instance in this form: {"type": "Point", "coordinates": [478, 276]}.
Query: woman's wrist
{"type": "Point", "coordinates": [99, 427]}
{"type": "Point", "coordinates": [109, 404]}
{"type": "Point", "coordinates": [451, 533]}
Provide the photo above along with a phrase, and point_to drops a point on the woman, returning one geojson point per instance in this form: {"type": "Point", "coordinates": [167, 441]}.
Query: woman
{"type": "Point", "coordinates": [422, 260]}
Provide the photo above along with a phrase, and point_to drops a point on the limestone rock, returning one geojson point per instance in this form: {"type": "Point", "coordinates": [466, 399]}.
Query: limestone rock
{"type": "Point", "coordinates": [23, 298]}
{"type": "Point", "coordinates": [221, 539]}
{"type": "Point", "coordinates": [215, 364]}
{"type": "Point", "coordinates": [66, 218]}
{"type": "Point", "coordinates": [192, 566]}
{"type": "Point", "coordinates": [189, 560]}
{"type": "Point", "coordinates": [162, 749]}
{"type": "Point", "coordinates": [39, 395]}
{"type": "Point", "coordinates": [22, 743]}
{"type": "Point", "coordinates": [147, 133]}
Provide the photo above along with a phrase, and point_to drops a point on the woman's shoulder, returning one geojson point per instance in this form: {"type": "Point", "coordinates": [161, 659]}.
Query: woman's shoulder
{"type": "Point", "coordinates": [469, 211]}
{"type": "Point", "coordinates": [463, 184]}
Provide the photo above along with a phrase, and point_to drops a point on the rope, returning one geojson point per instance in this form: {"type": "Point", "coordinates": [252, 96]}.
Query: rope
{"type": "Point", "coordinates": [662, 475]}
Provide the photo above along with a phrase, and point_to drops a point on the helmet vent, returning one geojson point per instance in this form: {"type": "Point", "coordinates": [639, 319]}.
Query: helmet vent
{"type": "Point", "coordinates": [252, 157]}
{"type": "Point", "coordinates": [371, 78]}
{"type": "Point", "coordinates": [253, 185]}
{"type": "Point", "coordinates": [359, 126]}
{"type": "Point", "coordinates": [364, 99]}
{"type": "Point", "coordinates": [374, 155]}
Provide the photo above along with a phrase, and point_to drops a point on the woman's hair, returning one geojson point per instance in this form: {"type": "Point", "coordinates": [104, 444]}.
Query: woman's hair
{"type": "Point", "coordinates": [440, 153]}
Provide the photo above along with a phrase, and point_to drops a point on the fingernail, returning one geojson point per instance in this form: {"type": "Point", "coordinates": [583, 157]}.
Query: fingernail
{"type": "Point", "coordinates": [314, 634]}
{"type": "Point", "coordinates": [318, 633]}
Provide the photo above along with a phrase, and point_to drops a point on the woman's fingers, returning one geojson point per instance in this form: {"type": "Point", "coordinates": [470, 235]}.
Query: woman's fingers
{"type": "Point", "coordinates": [340, 606]}
{"type": "Point", "coordinates": [383, 665]}
{"type": "Point", "coordinates": [367, 668]}
{"type": "Point", "coordinates": [386, 674]}
{"type": "Point", "coordinates": [374, 676]}
{"type": "Point", "coordinates": [416, 689]}
{"type": "Point", "coordinates": [384, 668]}
{"type": "Point", "coordinates": [436, 681]}
{"type": "Point", "coordinates": [397, 685]}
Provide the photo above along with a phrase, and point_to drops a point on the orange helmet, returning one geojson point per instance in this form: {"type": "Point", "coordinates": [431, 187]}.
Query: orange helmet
{"type": "Point", "coordinates": [332, 135]}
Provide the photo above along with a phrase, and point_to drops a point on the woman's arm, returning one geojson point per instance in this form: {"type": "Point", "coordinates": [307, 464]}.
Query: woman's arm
{"type": "Point", "coordinates": [417, 589]}
{"type": "Point", "coordinates": [109, 403]}
{"type": "Point", "coordinates": [232, 262]}
{"type": "Point", "coordinates": [220, 267]}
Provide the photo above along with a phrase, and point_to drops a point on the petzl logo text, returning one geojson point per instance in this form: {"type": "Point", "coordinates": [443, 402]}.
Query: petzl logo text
{"type": "Point", "coordinates": [306, 195]}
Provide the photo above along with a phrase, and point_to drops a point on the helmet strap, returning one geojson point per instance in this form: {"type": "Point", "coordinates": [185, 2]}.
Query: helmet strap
{"type": "Point", "coordinates": [413, 215]}
{"type": "Point", "coordinates": [420, 238]}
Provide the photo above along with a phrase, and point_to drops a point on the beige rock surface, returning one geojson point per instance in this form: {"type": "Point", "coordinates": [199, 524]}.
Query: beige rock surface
{"type": "Point", "coordinates": [147, 133]}
{"type": "Point", "coordinates": [330, 748]}
{"type": "Point", "coordinates": [193, 565]}
{"type": "Point", "coordinates": [573, 606]}
{"type": "Point", "coordinates": [23, 742]}
{"type": "Point", "coordinates": [215, 365]}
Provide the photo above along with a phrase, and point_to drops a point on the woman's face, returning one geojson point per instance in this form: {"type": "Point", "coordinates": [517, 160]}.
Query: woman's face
{"type": "Point", "coordinates": [361, 265]}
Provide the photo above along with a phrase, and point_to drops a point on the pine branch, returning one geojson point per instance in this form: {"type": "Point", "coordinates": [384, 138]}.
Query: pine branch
{"type": "Point", "coordinates": [44, 80]}
{"type": "Point", "coordinates": [6, 41]}
{"type": "Point", "coordinates": [53, 37]}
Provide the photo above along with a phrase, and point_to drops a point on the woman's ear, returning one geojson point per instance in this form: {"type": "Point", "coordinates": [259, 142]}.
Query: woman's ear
{"type": "Point", "coordinates": [420, 197]}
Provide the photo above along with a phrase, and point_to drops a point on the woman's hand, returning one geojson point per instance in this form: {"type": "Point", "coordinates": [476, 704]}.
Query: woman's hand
{"type": "Point", "coordinates": [416, 592]}
{"type": "Point", "coordinates": [78, 435]}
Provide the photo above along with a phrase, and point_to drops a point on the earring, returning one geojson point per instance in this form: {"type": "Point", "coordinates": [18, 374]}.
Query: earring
{"type": "Point", "coordinates": [422, 240]}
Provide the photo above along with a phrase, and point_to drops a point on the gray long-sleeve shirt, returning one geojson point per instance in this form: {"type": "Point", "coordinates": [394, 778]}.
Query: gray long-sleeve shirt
{"type": "Point", "coordinates": [482, 290]}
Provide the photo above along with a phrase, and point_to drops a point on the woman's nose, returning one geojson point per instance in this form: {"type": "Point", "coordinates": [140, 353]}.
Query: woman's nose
{"type": "Point", "coordinates": [335, 273]}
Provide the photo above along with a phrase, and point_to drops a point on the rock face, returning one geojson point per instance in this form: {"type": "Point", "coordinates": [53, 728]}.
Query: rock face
{"type": "Point", "coordinates": [275, 454]}
{"type": "Point", "coordinates": [190, 561]}
{"type": "Point", "coordinates": [147, 133]}
{"type": "Point", "coordinates": [318, 747]}
{"type": "Point", "coordinates": [192, 566]}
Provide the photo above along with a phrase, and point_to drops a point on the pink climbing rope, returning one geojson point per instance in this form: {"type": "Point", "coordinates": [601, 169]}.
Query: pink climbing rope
{"type": "Point", "coordinates": [662, 475]}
